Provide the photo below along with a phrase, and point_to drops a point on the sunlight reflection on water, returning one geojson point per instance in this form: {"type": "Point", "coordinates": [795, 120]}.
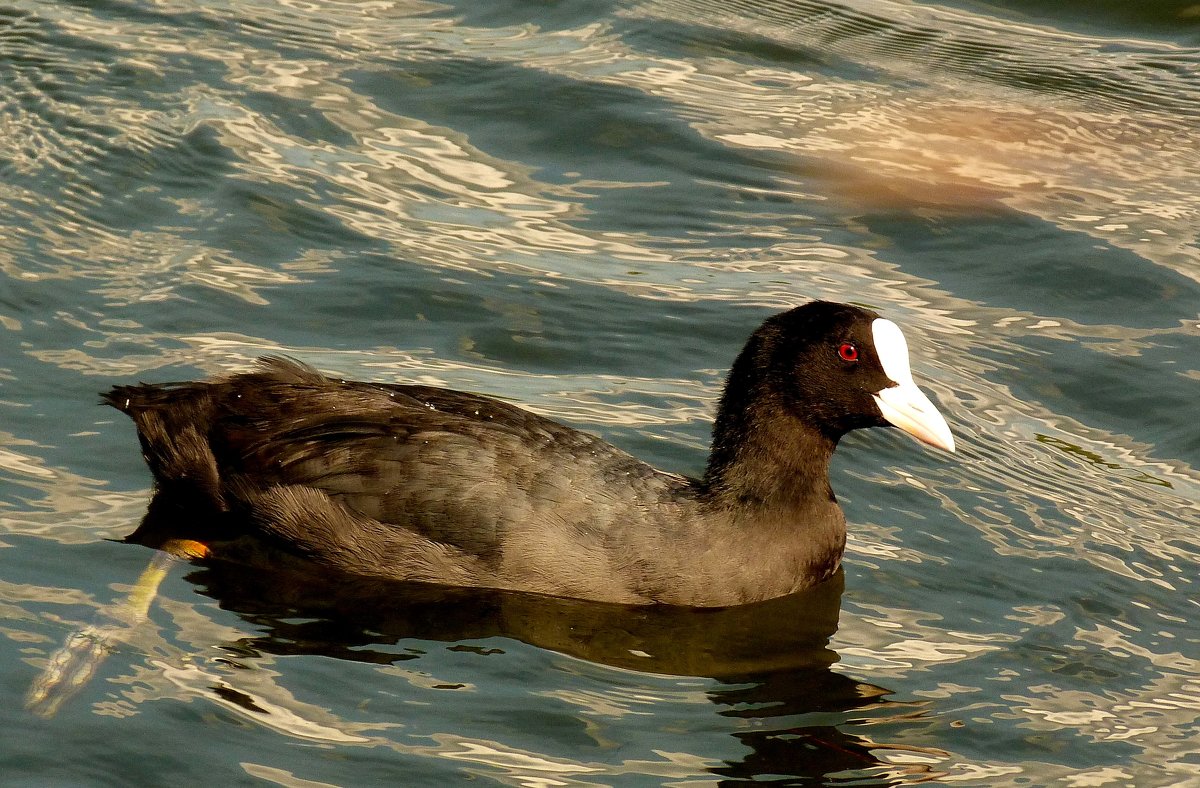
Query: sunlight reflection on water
{"type": "Point", "coordinates": [189, 188]}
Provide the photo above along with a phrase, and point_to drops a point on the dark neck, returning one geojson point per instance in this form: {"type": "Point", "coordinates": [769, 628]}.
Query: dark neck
{"type": "Point", "coordinates": [765, 456]}
{"type": "Point", "coordinates": [768, 484]}
{"type": "Point", "coordinates": [764, 459]}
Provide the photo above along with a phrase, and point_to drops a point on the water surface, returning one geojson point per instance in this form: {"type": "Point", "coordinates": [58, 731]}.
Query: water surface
{"type": "Point", "coordinates": [586, 208]}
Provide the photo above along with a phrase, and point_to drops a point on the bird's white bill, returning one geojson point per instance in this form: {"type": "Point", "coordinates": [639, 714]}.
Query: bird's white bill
{"type": "Point", "coordinates": [907, 407]}
{"type": "Point", "coordinates": [904, 405]}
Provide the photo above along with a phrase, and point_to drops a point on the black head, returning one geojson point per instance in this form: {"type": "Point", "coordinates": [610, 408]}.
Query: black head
{"type": "Point", "coordinates": [820, 363]}
{"type": "Point", "coordinates": [825, 368]}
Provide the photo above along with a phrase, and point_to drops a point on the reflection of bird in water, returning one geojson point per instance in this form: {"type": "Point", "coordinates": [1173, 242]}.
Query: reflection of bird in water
{"type": "Point", "coordinates": [820, 723]}
{"type": "Point", "coordinates": [771, 660]}
{"type": "Point", "coordinates": [345, 615]}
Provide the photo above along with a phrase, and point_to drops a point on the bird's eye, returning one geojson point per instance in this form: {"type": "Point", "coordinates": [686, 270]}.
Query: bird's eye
{"type": "Point", "coordinates": [848, 352]}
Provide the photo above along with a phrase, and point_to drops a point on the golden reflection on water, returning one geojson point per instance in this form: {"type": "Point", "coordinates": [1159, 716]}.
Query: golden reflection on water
{"type": "Point", "coordinates": [428, 191]}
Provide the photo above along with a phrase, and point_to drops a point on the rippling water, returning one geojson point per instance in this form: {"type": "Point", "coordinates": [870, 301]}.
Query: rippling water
{"type": "Point", "coordinates": [585, 208]}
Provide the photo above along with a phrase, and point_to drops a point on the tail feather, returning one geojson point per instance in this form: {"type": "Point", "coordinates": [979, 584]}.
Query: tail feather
{"type": "Point", "coordinates": [137, 397]}
{"type": "Point", "coordinates": [173, 421]}
{"type": "Point", "coordinates": [123, 397]}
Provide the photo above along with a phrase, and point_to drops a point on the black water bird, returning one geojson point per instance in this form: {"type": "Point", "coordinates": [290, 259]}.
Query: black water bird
{"type": "Point", "coordinates": [420, 483]}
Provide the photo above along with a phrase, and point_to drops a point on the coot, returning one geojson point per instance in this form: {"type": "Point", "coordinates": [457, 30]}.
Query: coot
{"type": "Point", "coordinates": [428, 484]}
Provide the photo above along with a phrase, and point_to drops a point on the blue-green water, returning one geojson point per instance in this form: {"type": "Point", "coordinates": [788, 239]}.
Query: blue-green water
{"type": "Point", "coordinates": [586, 208]}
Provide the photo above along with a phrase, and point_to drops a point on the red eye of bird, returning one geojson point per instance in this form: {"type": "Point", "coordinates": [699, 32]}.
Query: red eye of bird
{"type": "Point", "coordinates": [848, 352]}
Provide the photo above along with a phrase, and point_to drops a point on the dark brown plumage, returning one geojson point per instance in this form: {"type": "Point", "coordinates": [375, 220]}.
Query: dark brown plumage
{"type": "Point", "coordinates": [428, 484]}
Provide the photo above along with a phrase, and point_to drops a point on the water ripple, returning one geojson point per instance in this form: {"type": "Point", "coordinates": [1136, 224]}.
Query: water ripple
{"type": "Point", "coordinates": [585, 209]}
